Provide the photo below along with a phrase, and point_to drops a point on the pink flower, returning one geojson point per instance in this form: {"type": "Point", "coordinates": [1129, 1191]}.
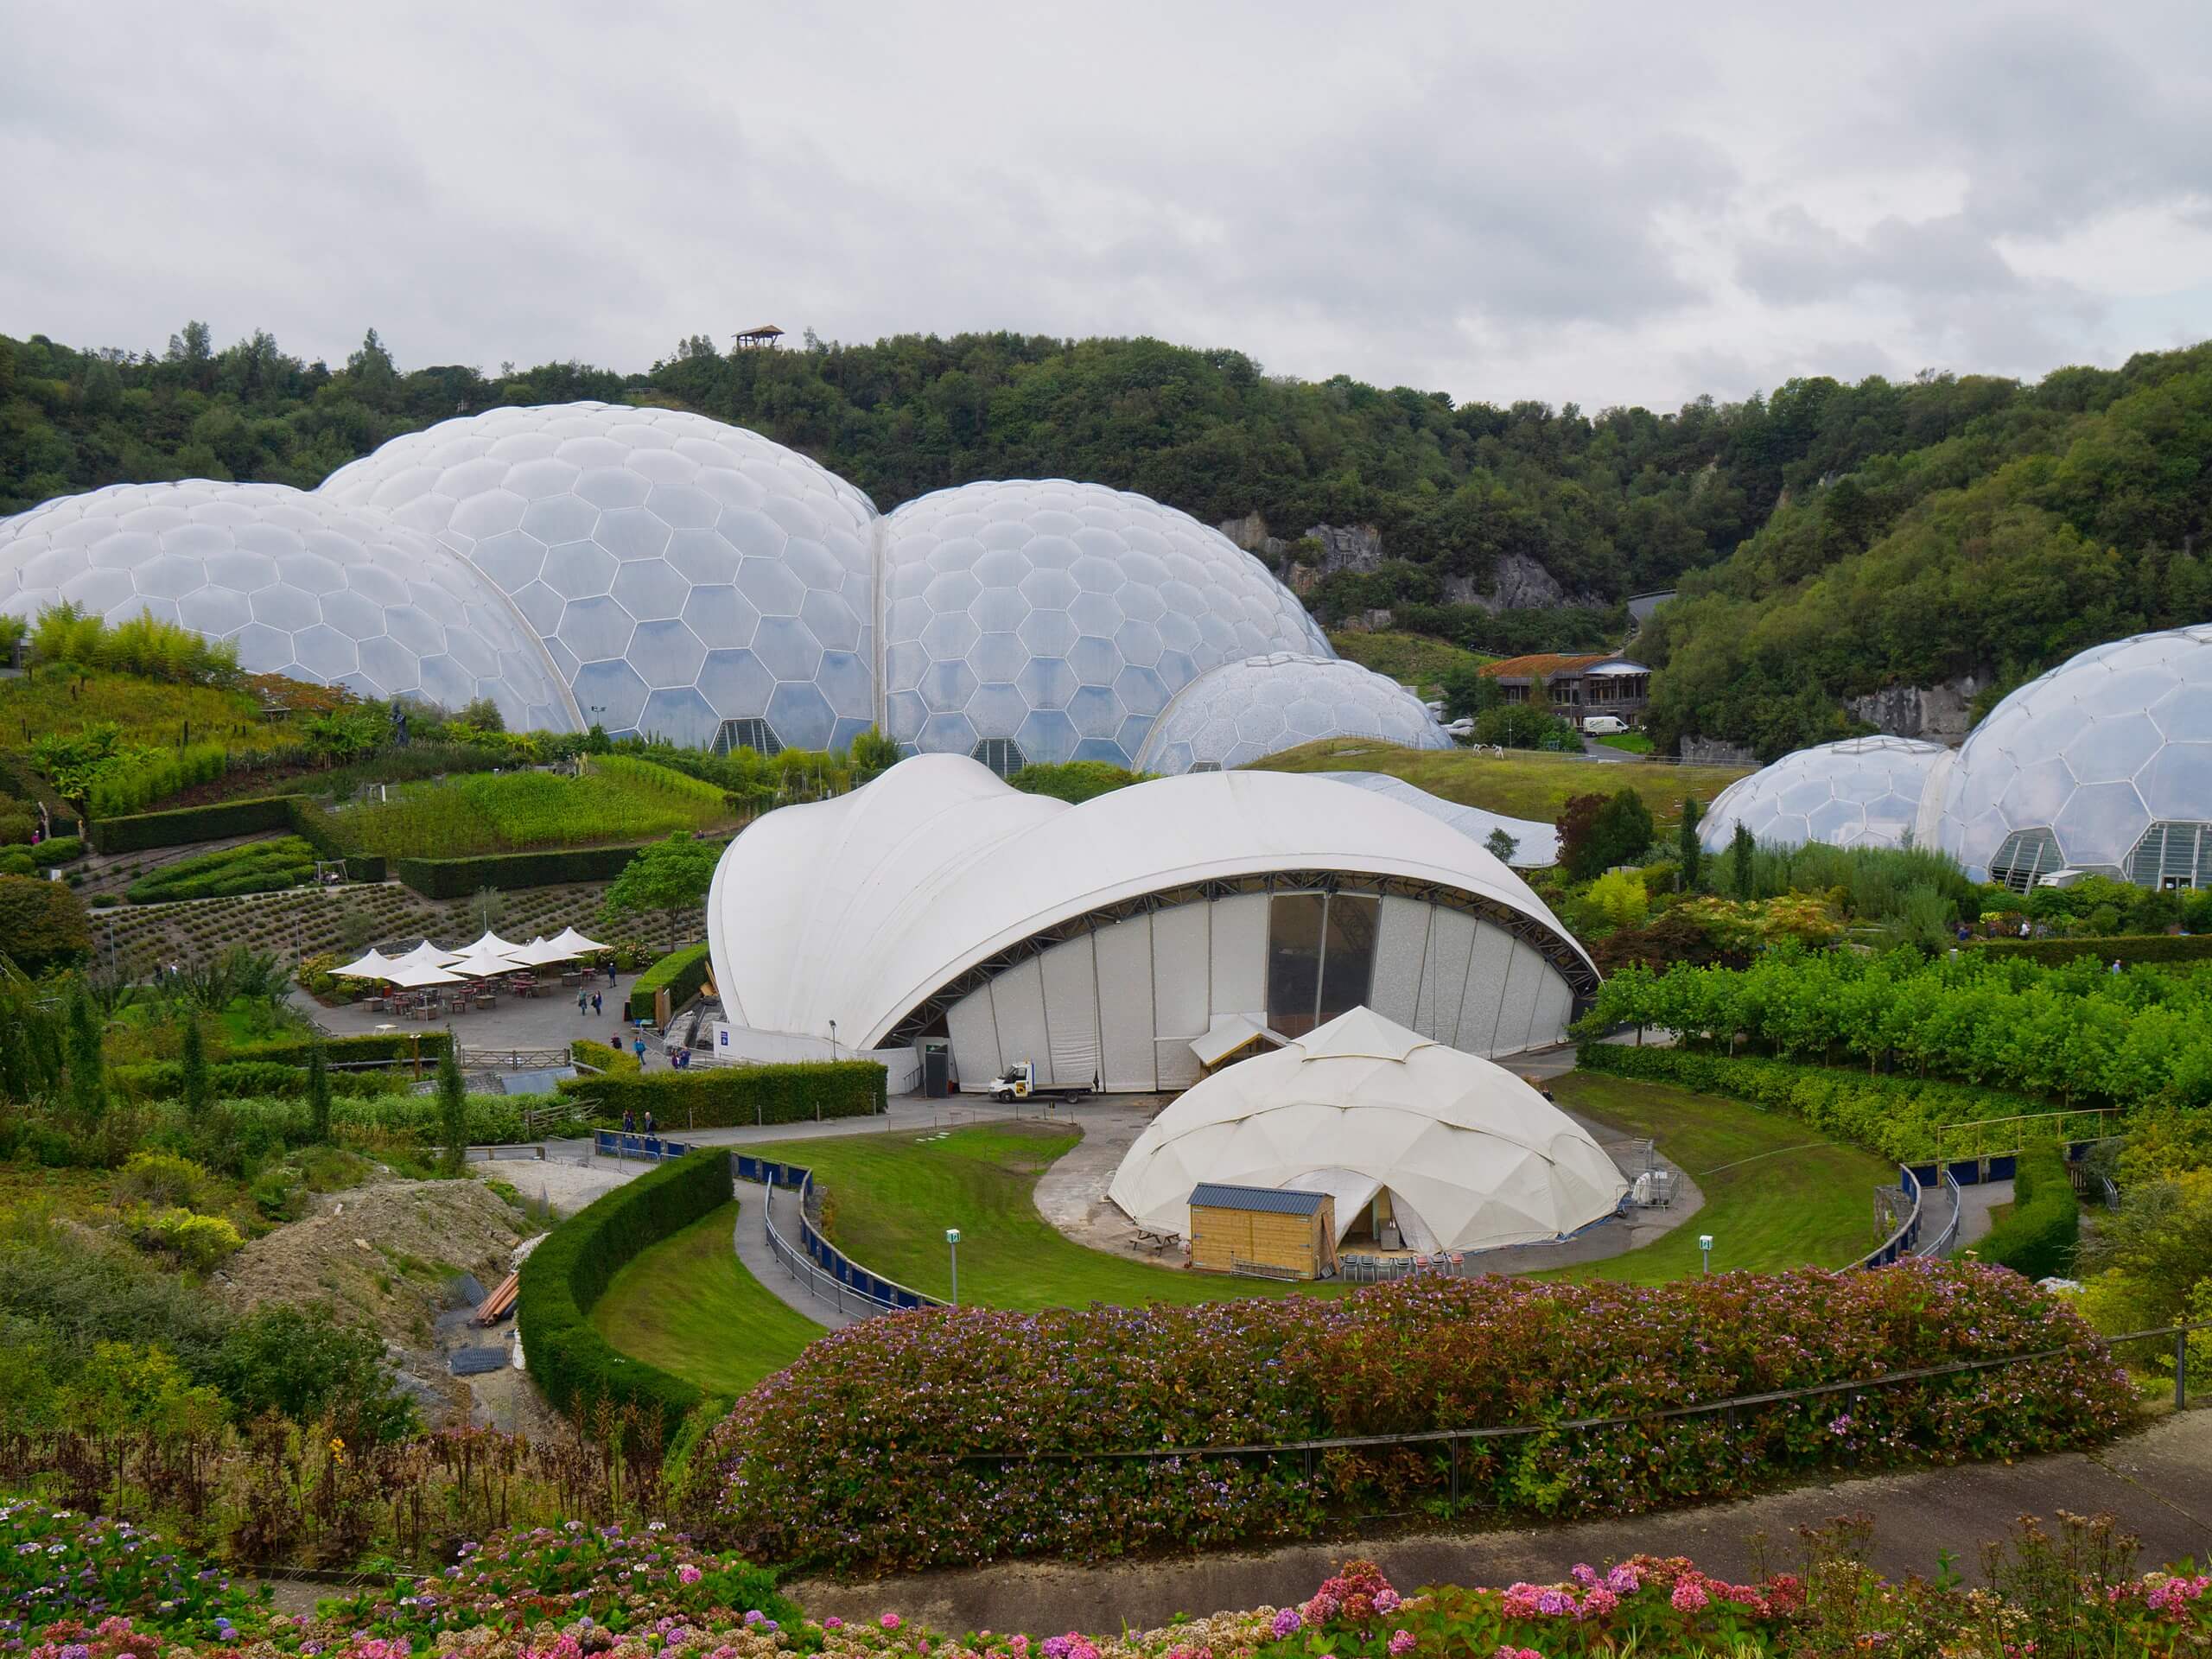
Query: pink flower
{"type": "Point", "coordinates": [1625, 1579]}
{"type": "Point", "coordinates": [1019, 1643]}
{"type": "Point", "coordinates": [1689, 1596]}
{"type": "Point", "coordinates": [1598, 1601]}
{"type": "Point", "coordinates": [1402, 1641]}
{"type": "Point", "coordinates": [1386, 1600]}
{"type": "Point", "coordinates": [688, 1573]}
{"type": "Point", "coordinates": [889, 1621]}
{"type": "Point", "coordinates": [833, 1623]}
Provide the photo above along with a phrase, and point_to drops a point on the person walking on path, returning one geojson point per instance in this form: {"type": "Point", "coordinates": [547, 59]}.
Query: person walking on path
{"type": "Point", "coordinates": [583, 999]}
{"type": "Point", "coordinates": [638, 1044]}
{"type": "Point", "coordinates": [653, 1127]}
{"type": "Point", "coordinates": [594, 1005]}
{"type": "Point", "coordinates": [610, 973]}
{"type": "Point", "coordinates": [629, 1121]}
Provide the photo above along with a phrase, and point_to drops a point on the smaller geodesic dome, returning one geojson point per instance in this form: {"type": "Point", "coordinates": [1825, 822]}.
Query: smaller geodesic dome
{"type": "Point", "coordinates": [2105, 764]}
{"type": "Point", "coordinates": [1863, 791]}
{"type": "Point", "coordinates": [1471, 1158]}
{"type": "Point", "coordinates": [1246, 710]}
{"type": "Point", "coordinates": [303, 586]}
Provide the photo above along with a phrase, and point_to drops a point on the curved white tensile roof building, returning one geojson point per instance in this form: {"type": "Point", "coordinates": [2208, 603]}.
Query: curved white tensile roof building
{"type": "Point", "coordinates": [2104, 763]}
{"type": "Point", "coordinates": [1097, 941]}
{"type": "Point", "coordinates": [1535, 842]}
{"type": "Point", "coordinates": [683, 573]}
{"type": "Point", "coordinates": [304, 586]}
{"type": "Point", "coordinates": [1247, 710]}
{"type": "Point", "coordinates": [1458, 1152]}
{"type": "Point", "coordinates": [1041, 620]}
{"type": "Point", "coordinates": [1863, 792]}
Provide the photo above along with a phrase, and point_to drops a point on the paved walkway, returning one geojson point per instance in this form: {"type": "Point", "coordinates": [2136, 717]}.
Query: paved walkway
{"type": "Point", "coordinates": [547, 1021]}
{"type": "Point", "coordinates": [753, 1252]}
{"type": "Point", "coordinates": [2158, 1484]}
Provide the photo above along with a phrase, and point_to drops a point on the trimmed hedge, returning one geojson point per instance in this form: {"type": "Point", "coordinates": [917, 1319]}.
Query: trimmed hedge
{"type": "Point", "coordinates": [247, 1079]}
{"type": "Point", "coordinates": [684, 972]}
{"type": "Point", "coordinates": [1893, 1115]}
{"type": "Point", "coordinates": [369, 1046]}
{"type": "Point", "coordinates": [181, 826]}
{"type": "Point", "coordinates": [458, 878]}
{"type": "Point", "coordinates": [2039, 1237]}
{"type": "Point", "coordinates": [565, 1275]}
{"type": "Point", "coordinates": [2126, 947]}
{"type": "Point", "coordinates": [44, 855]}
{"type": "Point", "coordinates": [605, 1056]}
{"type": "Point", "coordinates": [725, 1095]}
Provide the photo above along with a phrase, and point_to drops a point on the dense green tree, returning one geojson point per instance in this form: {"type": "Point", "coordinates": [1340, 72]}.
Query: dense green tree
{"type": "Point", "coordinates": [453, 1115]}
{"type": "Point", "coordinates": [1741, 851]}
{"type": "Point", "coordinates": [1689, 851]}
{"type": "Point", "coordinates": [319, 1093]}
{"type": "Point", "coordinates": [871, 755]}
{"type": "Point", "coordinates": [1469, 692]}
{"type": "Point", "coordinates": [88, 1075]}
{"type": "Point", "coordinates": [669, 877]}
{"type": "Point", "coordinates": [197, 1088]}
{"type": "Point", "coordinates": [42, 925]}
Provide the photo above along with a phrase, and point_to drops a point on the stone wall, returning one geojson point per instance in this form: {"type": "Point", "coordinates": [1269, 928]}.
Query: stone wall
{"type": "Point", "coordinates": [1937, 712]}
{"type": "Point", "coordinates": [1714, 752]}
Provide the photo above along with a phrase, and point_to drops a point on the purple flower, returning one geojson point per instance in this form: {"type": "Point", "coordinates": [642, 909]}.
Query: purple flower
{"type": "Point", "coordinates": [1286, 1623]}
{"type": "Point", "coordinates": [1402, 1641]}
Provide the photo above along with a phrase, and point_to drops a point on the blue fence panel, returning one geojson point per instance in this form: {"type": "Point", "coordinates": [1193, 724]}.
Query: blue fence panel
{"type": "Point", "coordinates": [1927, 1174]}
{"type": "Point", "coordinates": [1966, 1172]}
{"type": "Point", "coordinates": [2003, 1167]}
{"type": "Point", "coordinates": [613, 1143]}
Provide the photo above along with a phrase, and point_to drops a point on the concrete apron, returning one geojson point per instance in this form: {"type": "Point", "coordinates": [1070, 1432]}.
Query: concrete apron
{"type": "Point", "coordinates": [2158, 1484]}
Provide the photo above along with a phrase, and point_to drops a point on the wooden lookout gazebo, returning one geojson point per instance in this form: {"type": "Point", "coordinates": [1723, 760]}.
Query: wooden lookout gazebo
{"type": "Point", "coordinates": [766, 335]}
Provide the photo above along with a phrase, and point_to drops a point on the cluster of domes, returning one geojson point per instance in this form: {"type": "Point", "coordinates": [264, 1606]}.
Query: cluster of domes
{"type": "Point", "coordinates": [653, 571]}
{"type": "Point", "coordinates": [2103, 763]}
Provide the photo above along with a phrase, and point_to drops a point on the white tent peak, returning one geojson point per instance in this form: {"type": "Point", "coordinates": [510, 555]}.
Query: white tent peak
{"type": "Point", "coordinates": [491, 945]}
{"type": "Point", "coordinates": [1361, 1034]}
{"type": "Point", "coordinates": [1472, 1157]}
{"type": "Point", "coordinates": [374, 965]}
{"type": "Point", "coordinates": [426, 955]}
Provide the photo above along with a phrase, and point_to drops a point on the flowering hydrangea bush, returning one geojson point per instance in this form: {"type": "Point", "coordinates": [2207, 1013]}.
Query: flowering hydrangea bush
{"type": "Point", "coordinates": [59, 1565]}
{"type": "Point", "coordinates": [620, 1580]}
{"type": "Point", "coordinates": [956, 1436]}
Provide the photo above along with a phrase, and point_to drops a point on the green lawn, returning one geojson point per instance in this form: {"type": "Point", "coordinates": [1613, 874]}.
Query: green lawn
{"type": "Point", "coordinates": [1415, 659]}
{"type": "Point", "coordinates": [893, 1196]}
{"type": "Point", "coordinates": [1523, 784]}
{"type": "Point", "coordinates": [1793, 1204]}
{"type": "Point", "coordinates": [689, 1307]}
{"type": "Point", "coordinates": [1628, 742]}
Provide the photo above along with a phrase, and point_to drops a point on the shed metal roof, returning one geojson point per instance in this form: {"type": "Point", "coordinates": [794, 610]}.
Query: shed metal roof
{"type": "Point", "coordinates": [1265, 1200]}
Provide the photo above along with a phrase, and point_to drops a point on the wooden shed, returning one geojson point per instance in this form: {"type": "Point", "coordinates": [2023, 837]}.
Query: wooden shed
{"type": "Point", "coordinates": [1270, 1233]}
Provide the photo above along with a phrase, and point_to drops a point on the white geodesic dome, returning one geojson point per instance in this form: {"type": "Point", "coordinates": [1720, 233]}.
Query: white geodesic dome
{"type": "Point", "coordinates": [1863, 791]}
{"type": "Point", "coordinates": [683, 573]}
{"type": "Point", "coordinates": [1258, 706]}
{"type": "Point", "coordinates": [2104, 763]}
{"type": "Point", "coordinates": [1472, 1157]}
{"type": "Point", "coordinates": [304, 586]}
{"type": "Point", "coordinates": [1047, 621]}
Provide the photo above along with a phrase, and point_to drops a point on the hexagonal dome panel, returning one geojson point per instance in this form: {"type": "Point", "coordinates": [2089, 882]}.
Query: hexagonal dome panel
{"type": "Point", "coordinates": [2098, 751]}
{"type": "Point", "coordinates": [1245, 711]}
{"type": "Point", "coordinates": [1035, 586]}
{"type": "Point", "coordinates": [1863, 791]}
{"type": "Point", "coordinates": [657, 514]}
{"type": "Point", "coordinates": [305, 586]}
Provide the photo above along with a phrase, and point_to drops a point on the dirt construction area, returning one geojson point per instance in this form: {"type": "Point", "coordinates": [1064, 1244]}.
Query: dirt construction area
{"type": "Point", "coordinates": [408, 1260]}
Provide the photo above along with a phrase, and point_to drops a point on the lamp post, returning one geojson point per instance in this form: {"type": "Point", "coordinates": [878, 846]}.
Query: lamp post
{"type": "Point", "coordinates": [952, 1242]}
{"type": "Point", "coordinates": [833, 1039]}
{"type": "Point", "coordinates": [1705, 1249]}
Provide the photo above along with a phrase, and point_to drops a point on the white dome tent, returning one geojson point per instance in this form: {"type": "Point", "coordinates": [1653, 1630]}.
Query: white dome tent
{"type": "Point", "coordinates": [1471, 1157]}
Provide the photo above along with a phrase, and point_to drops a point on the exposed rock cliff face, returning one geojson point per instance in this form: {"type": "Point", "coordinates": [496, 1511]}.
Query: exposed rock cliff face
{"type": "Point", "coordinates": [1518, 583]}
{"type": "Point", "coordinates": [1938, 713]}
{"type": "Point", "coordinates": [1717, 752]}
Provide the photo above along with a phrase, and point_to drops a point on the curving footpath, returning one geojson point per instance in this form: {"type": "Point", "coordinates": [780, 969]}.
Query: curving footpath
{"type": "Point", "coordinates": [757, 1259]}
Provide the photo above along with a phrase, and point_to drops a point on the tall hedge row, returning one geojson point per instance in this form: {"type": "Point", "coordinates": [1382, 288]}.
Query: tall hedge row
{"type": "Point", "coordinates": [684, 972]}
{"type": "Point", "coordinates": [368, 1045]}
{"type": "Point", "coordinates": [566, 1274]}
{"type": "Point", "coordinates": [730, 1094]}
{"type": "Point", "coordinates": [457, 878]}
{"type": "Point", "coordinates": [2128, 948]}
{"type": "Point", "coordinates": [259, 814]}
{"type": "Point", "coordinates": [1893, 1115]}
{"type": "Point", "coordinates": [2039, 1237]}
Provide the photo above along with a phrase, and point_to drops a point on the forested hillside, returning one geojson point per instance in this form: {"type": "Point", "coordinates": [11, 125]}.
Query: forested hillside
{"type": "Point", "coordinates": [2058, 518]}
{"type": "Point", "coordinates": [1828, 539]}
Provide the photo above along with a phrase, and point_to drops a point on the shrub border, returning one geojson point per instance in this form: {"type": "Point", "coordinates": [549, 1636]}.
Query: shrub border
{"type": "Point", "coordinates": [2126, 947]}
{"type": "Point", "coordinates": [684, 972]}
{"type": "Point", "coordinates": [723, 1097]}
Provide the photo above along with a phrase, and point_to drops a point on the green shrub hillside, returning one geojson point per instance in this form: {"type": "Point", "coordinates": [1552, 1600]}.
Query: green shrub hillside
{"type": "Point", "coordinates": [619, 799]}
{"type": "Point", "coordinates": [728, 1096]}
{"type": "Point", "coordinates": [2039, 1237]}
{"type": "Point", "coordinates": [42, 925]}
{"type": "Point", "coordinates": [258, 867]}
{"type": "Point", "coordinates": [574, 1365]}
{"type": "Point", "coordinates": [2123, 948]}
{"type": "Point", "coordinates": [683, 972]}
{"type": "Point", "coordinates": [799, 1469]}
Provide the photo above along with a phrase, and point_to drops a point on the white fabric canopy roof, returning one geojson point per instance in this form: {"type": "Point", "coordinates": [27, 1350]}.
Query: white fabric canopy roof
{"type": "Point", "coordinates": [483, 964]}
{"type": "Point", "coordinates": [490, 944]}
{"type": "Point", "coordinates": [375, 965]}
{"type": "Point", "coordinates": [426, 955]}
{"type": "Point", "coordinates": [539, 951]}
{"type": "Point", "coordinates": [1474, 1157]}
{"type": "Point", "coordinates": [858, 909]}
{"type": "Point", "coordinates": [413, 975]}
{"type": "Point", "coordinates": [574, 943]}
{"type": "Point", "coordinates": [1226, 1033]}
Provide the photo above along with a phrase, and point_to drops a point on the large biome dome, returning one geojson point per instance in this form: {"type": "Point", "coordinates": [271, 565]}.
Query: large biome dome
{"type": "Point", "coordinates": [304, 586]}
{"type": "Point", "coordinates": [2104, 764]}
{"type": "Point", "coordinates": [1246, 710]}
{"type": "Point", "coordinates": [1863, 791]}
{"type": "Point", "coordinates": [691, 580]}
{"type": "Point", "coordinates": [1052, 621]}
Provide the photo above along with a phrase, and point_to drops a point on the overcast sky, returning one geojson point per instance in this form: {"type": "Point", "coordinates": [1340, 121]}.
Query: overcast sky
{"type": "Point", "coordinates": [1603, 205]}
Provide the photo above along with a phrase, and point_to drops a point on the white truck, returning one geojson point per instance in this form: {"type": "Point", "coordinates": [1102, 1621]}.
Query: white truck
{"type": "Point", "coordinates": [1021, 1082]}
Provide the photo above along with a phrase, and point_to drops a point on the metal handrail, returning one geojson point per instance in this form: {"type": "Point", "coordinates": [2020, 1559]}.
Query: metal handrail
{"type": "Point", "coordinates": [1948, 1240]}
{"type": "Point", "coordinates": [1734, 1402]}
{"type": "Point", "coordinates": [1899, 1243]}
{"type": "Point", "coordinates": [800, 1261]}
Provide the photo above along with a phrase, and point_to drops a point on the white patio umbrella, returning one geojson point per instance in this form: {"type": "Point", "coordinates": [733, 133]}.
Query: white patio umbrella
{"type": "Point", "coordinates": [414, 975]}
{"type": "Point", "coordinates": [539, 951]}
{"type": "Point", "coordinates": [575, 943]}
{"type": "Point", "coordinates": [375, 965]}
{"type": "Point", "coordinates": [426, 955]}
{"type": "Point", "coordinates": [491, 945]}
{"type": "Point", "coordinates": [483, 964]}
